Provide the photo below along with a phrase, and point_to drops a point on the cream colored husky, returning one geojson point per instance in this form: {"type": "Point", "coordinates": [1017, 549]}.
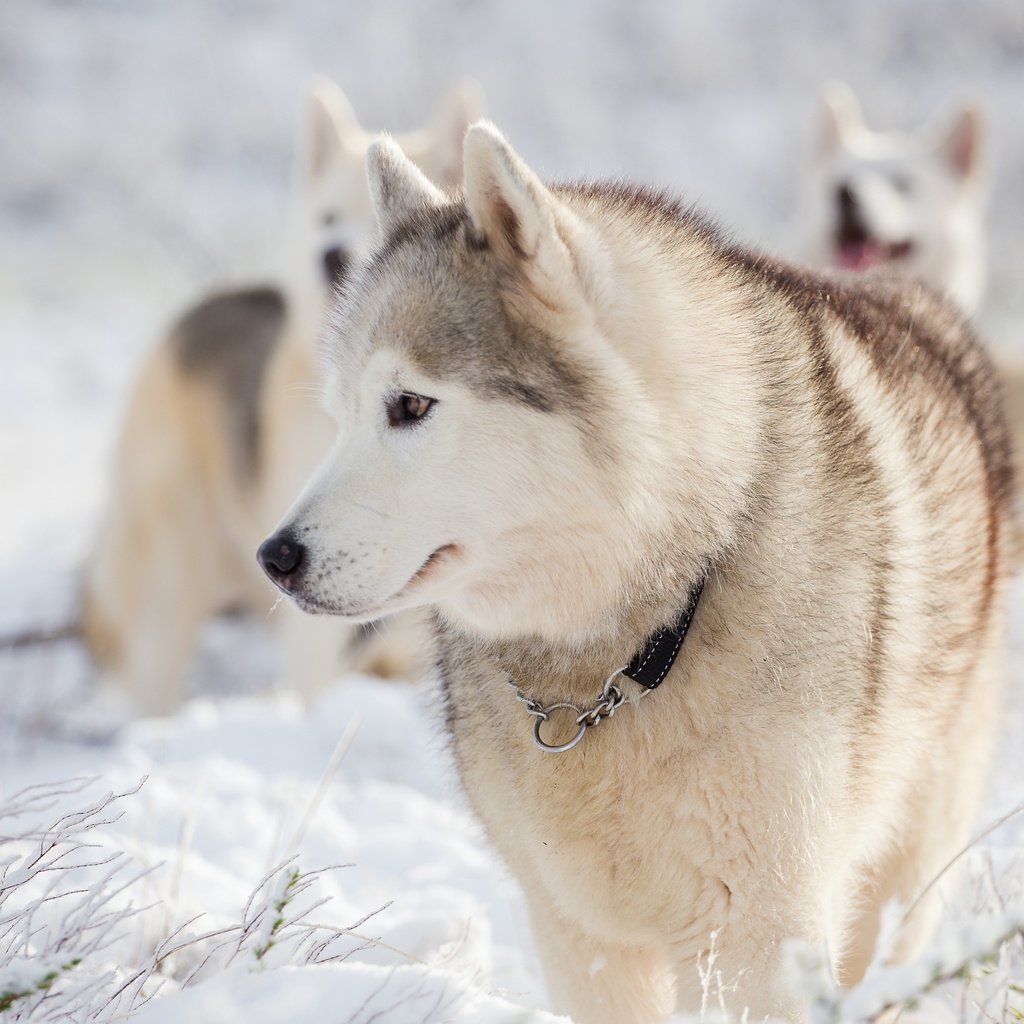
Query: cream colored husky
{"type": "Point", "coordinates": [911, 201]}
{"type": "Point", "coordinates": [564, 408]}
{"type": "Point", "coordinates": [224, 425]}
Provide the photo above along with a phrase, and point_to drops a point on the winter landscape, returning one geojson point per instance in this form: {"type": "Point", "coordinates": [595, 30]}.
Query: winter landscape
{"type": "Point", "coordinates": [249, 858]}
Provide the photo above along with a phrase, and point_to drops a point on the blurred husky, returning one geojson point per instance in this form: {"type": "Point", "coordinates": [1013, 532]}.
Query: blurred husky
{"type": "Point", "coordinates": [222, 428]}
{"type": "Point", "coordinates": [912, 201]}
{"type": "Point", "coordinates": [561, 408]}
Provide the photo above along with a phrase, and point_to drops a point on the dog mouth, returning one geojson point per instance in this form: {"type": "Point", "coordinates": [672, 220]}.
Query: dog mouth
{"type": "Point", "coordinates": [434, 564]}
{"type": "Point", "coordinates": [857, 249]}
{"type": "Point", "coordinates": [430, 567]}
{"type": "Point", "coordinates": [870, 253]}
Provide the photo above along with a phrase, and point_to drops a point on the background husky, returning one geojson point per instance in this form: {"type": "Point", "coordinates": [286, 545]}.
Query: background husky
{"type": "Point", "coordinates": [222, 428]}
{"type": "Point", "coordinates": [576, 402]}
{"type": "Point", "coordinates": [913, 201]}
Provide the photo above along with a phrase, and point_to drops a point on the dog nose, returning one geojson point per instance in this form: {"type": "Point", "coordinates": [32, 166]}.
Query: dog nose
{"type": "Point", "coordinates": [846, 199]}
{"type": "Point", "coordinates": [280, 557]}
{"type": "Point", "coordinates": [335, 263]}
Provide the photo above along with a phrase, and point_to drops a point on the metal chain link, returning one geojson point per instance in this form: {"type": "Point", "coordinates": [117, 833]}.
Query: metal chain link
{"type": "Point", "coordinates": [607, 702]}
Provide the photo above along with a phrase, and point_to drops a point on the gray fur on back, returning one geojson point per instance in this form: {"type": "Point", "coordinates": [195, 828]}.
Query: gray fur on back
{"type": "Point", "coordinates": [226, 341]}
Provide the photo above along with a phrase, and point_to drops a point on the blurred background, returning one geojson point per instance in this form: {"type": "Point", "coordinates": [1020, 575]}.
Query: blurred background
{"type": "Point", "coordinates": [147, 150]}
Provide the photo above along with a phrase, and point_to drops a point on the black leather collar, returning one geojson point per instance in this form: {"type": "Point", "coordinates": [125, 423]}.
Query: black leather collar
{"type": "Point", "coordinates": [653, 661]}
{"type": "Point", "coordinates": [649, 668]}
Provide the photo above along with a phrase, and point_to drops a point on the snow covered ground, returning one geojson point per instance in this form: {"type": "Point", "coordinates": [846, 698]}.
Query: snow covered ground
{"type": "Point", "coordinates": [145, 152]}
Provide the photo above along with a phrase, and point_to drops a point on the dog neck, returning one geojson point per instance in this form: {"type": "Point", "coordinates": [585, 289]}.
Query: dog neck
{"type": "Point", "coordinates": [574, 666]}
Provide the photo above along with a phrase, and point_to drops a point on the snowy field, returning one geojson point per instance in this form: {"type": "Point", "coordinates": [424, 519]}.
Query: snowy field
{"type": "Point", "coordinates": [144, 157]}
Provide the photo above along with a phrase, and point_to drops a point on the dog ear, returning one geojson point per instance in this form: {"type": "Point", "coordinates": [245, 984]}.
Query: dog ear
{"type": "Point", "coordinates": [448, 125]}
{"type": "Point", "coordinates": [842, 116]}
{"type": "Point", "coordinates": [398, 187]}
{"type": "Point", "coordinates": [962, 143]}
{"type": "Point", "coordinates": [531, 233]}
{"type": "Point", "coordinates": [330, 124]}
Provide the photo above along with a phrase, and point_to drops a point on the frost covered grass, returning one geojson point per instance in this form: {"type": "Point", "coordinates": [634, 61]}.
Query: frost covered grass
{"type": "Point", "coordinates": [67, 905]}
{"type": "Point", "coordinates": [61, 908]}
{"type": "Point", "coordinates": [72, 912]}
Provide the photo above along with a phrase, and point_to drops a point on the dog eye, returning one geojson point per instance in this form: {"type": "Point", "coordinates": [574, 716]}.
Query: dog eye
{"type": "Point", "coordinates": [408, 407]}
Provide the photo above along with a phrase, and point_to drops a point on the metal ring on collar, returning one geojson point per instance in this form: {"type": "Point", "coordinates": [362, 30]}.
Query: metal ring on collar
{"type": "Point", "coordinates": [557, 748]}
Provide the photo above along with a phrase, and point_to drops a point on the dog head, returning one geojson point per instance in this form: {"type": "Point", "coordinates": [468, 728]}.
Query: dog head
{"type": "Point", "coordinates": [496, 456]}
{"type": "Point", "coordinates": [509, 438]}
{"type": "Point", "coordinates": [912, 201]}
{"type": "Point", "coordinates": [332, 216]}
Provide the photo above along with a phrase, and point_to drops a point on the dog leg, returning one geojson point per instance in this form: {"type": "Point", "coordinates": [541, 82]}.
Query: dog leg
{"type": "Point", "coordinates": [943, 822]}
{"type": "Point", "coordinates": [598, 981]}
{"type": "Point", "coordinates": [742, 968]}
{"type": "Point", "coordinates": [937, 826]}
{"type": "Point", "coordinates": [145, 601]}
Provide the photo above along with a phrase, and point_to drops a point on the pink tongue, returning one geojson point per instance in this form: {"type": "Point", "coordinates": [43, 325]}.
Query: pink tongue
{"type": "Point", "coordinates": [860, 255]}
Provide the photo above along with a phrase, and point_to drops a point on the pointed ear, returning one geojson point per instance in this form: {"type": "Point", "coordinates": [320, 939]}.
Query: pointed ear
{"type": "Point", "coordinates": [453, 115]}
{"type": "Point", "coordinates": [961, 144]}
{"type": "Point", "coordinates": [330, 125]}
{"type": "Point", "coordinates": [529, 230]}
{"type": "Point", "coordinates": [398, 187]}
{"type": "Point", "coordinates": [842, 117]}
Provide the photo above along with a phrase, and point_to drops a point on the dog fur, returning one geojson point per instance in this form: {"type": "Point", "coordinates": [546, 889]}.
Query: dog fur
{"type": "Point", "coordinates": [912, 201]}
{"type": "Point", "coordinates": [222, 428]}
{"type": "Point", "coordinates": [1011, 371]}
{"type": "Point", "coordinates": [561, 406]}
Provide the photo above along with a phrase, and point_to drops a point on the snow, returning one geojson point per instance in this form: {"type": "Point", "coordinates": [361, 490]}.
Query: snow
{"type": "Point", "coordinates": [375, 993]}
{"type": "Point", "coordinates": [227, 791]}
{"type": "Point", "coordinates": [146, 153]}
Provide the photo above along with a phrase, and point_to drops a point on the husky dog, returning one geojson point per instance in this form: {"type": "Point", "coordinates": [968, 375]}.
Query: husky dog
{"type": "Point", "coordinates": [911, 201]}
{"type": "Point", "coordinates": [565, 409]}
{"type": "Point", "coordinates": [222, 428]}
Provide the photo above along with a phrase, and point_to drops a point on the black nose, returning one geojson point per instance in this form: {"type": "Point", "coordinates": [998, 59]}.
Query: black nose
{"type": "Point", "coordinates": [280, 557]}
{"type": "Point", "coordinates": [846, 199]}
{"type": "Point", "coordinates": [335, 264]}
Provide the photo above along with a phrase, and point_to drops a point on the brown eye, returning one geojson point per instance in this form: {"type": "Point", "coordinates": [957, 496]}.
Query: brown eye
{"type": "Point", "coordinates": [407, 408]}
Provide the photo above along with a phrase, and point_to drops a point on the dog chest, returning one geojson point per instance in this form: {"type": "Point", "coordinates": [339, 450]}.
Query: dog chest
{"type": "Point", "coordinates": [644, 829]}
